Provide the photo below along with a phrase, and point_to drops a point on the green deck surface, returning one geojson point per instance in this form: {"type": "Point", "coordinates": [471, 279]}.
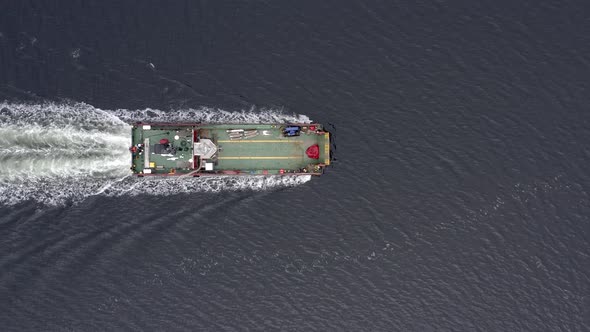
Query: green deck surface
{"type": "Point", "coordinates": [181, 161]}
{"type": "Point", "coordinates": [268, 153]}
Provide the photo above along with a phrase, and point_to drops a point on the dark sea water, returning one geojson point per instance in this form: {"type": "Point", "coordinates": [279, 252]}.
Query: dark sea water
{"type": "Point", "coordinates": [459, 200]}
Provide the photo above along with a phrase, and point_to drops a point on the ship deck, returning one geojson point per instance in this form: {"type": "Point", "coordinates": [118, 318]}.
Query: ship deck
{"type": "Point", "coordinates": [267, 152]}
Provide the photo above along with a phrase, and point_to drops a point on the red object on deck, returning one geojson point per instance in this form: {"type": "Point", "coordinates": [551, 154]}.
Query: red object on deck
{"type": "Point", "coordinates": [313, 152]}
{"type": "Point", "coordinates": [312, 128]}
{"type": "Point", "coordinates": [164, 141]}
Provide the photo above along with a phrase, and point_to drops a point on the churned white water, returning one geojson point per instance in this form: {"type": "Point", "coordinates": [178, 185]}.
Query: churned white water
{"type": "Point", "coordinates": [57, 153]}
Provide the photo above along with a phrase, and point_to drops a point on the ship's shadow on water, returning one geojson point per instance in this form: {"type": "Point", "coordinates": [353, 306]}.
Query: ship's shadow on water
{"type": "Point", "coordinates": [333, 147]}
{"type": "Point", "coordinates": [56, 154]}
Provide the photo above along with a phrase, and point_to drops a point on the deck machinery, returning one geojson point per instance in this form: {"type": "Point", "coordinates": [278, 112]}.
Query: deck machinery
{"type": "Point", "coordinates": [229, 149]}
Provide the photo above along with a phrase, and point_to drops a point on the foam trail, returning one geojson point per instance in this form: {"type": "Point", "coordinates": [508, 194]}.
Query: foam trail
{"type": "Point", "coordinates": [58, 153]}
{"type": "Point", "coordinates": [211, 115]}
{"type": "Point", "coordinates": [32, 151]}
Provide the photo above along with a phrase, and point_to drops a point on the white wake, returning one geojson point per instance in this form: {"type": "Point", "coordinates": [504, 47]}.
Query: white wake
{"type": "Point", "coordinates": [58, 153]}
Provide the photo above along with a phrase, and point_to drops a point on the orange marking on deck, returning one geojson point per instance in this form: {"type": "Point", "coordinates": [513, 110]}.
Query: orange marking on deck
{"type": "Point", "coordinates": [327, 149]}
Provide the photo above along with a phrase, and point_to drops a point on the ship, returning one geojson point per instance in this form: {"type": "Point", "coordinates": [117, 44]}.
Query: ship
{"type": "Point", "coordinates": [195, 149]}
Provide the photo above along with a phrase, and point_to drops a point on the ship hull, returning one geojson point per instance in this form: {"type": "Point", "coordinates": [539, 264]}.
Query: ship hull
{"type": "Point", "coordinates": [195, 150]}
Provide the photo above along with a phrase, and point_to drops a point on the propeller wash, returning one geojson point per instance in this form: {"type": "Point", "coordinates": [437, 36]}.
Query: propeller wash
{"type": "Point", "coordinates": [59, 153]}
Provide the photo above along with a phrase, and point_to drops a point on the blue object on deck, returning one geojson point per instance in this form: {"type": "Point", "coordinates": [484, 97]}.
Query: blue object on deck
{"type": "Point", "coordinates": [292, 131]}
